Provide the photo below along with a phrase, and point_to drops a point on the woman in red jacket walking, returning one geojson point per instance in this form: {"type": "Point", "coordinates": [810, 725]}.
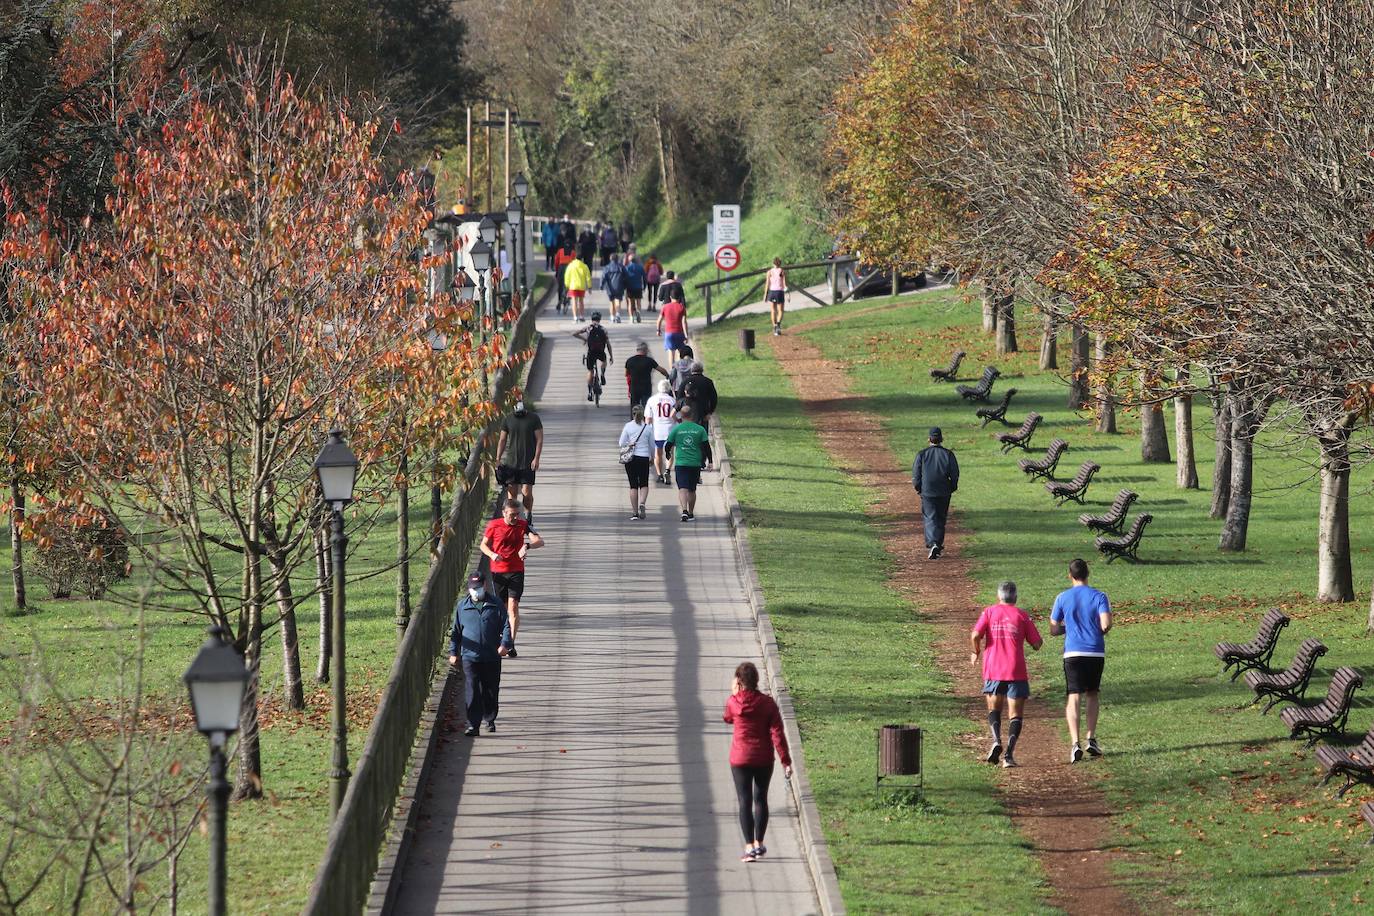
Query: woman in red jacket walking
{"type": "Point", "coordinates": [757, 721]}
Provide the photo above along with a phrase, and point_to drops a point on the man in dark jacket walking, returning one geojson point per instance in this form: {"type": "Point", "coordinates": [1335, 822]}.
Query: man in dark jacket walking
{"type": "Point", "coordinates": [480, 639]}
{"type": "Point", "coordinates": [699, 392]}
{"type": "Point", "coordinates": [935, 475]}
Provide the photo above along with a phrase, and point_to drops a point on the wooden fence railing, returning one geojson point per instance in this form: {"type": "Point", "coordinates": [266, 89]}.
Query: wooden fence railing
{"type": "Point", "coordinates": [358, 833]}
{"type": "Point", "coordinates": [833, 267]}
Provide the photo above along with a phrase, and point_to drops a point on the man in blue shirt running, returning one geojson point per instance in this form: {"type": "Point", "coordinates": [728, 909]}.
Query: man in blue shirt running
{"type": "Point", "coordinates": [1083, 615]}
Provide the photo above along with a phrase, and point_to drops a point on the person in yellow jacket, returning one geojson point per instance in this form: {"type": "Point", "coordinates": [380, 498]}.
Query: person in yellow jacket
{"type": "Point", "coordinates": [577, 279]}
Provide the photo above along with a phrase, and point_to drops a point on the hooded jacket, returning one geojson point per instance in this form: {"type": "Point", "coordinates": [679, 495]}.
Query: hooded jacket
{"type": "Point", "coordinates": [757, 720]}
{"type": "Point", "coordinates": [613, 280]}
{"type": "Point", "coordinates": [577, 275]}
{"type": "Point", "coordinates": [634, 277]}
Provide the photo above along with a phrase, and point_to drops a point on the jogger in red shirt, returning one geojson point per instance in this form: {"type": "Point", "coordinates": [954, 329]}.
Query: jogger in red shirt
{"type": "Point", "coordinates": [757, 722]}
{"type": "Point", "coordinates": [505, 542]}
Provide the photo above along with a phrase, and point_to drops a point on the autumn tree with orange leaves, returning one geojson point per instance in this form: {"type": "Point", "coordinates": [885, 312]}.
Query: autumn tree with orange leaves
{"type": "Point", "coordinates": [256, 286]}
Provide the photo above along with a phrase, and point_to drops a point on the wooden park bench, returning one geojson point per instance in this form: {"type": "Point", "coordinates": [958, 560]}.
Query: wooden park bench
{"type": "Point", "coordinates": [1327, 717]}
{"type": "Point", "coordinates": [1127, 544]}
{"type": "Point", "coordinates": [998, 413]}
{"type": "Point", "coordinates": [980, 391]}
{"type": "Point", "coordinates": [950, 374]}
{"type": "Point", "coordinates": [1075, 489]}
{"type": "Point", "coordinates": [1290, 683]}
{"type": "Point", "coordinates": [1367, 812]}
{"type": "Point", "coordinates": [1044, 467]}
{"type": "Point", "coordinates": [1355, 765]}
{"type": "Point", "coordinates": [1257, 652]}
{"type": "Point", "coordinates": [1022, 437]}
{"type": "Point", "coordinates": [1114, 518]}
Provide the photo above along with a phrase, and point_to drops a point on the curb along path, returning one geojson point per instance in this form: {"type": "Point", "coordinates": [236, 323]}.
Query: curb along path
{"type": "Point", "coordinates": [1057, 807]}
{"type": "Point", "coordinates": [607, 787]}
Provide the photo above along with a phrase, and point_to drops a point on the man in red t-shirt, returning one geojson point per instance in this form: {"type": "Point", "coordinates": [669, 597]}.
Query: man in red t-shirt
{"type": "Point", "coordinates": [505, 542]}
{"type": "Point", "coordinates": [999, 638]}
{"type": "Point", "coordinates": [672, 324]}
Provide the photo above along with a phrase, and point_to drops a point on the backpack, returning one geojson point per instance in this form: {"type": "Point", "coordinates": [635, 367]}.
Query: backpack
{"type": "Point", "coordinates": [596, 339]}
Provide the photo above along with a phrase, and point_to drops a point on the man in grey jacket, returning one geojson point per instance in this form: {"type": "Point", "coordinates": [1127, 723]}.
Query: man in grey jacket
{"type": "Point", "coordinates": [935, 475]}
{"type": "Point", "coordinates": [480, 638]}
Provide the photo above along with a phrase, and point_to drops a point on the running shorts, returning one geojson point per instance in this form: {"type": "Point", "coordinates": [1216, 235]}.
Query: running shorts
{"type": "Point", "coordinates": [1083, 673]}
{"type": "Point", "coordinates": [509, 584]}
{"type": "Point", "coordinates": [687, 478]}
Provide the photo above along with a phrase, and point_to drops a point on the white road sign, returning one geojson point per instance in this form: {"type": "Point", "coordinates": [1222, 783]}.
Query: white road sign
{"type": "Point", "coordinates": [726, 224]}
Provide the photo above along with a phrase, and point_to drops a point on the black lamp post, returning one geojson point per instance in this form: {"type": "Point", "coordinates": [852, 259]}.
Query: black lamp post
{"type": "Point", "coordinates": [487, 230]}
{"type": "Point", "coordinates": [336, 469]}
{"type": "Point", "coordinates": [480, 253]}
{"type": "Point", "coordinates": [216, 681]}
{"type": "Point", "coordinates": [522, 190]}
{"type": "Point", "coordinates": [438, 343]}
{"type": "Point", "coordinates": [515, 213]}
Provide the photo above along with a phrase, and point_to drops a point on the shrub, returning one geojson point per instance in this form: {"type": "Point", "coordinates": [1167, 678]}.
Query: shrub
{"type": "Point", "coordinates": [83, 556]}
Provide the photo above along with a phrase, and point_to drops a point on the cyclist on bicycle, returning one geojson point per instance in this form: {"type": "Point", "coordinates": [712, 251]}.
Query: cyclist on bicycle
{"type": "Point", "coordinates": [598, 351]}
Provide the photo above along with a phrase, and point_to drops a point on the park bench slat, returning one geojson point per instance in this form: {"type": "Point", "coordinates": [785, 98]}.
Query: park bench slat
{"type": "Point", "coordinates": [1356, 765]}
{"type": "Point", "coordinates": [998, 413]}
{"type": "Point", "coordinates": [1126, 545]}
{"type": "Point", "coordinates": [1329, 716]}
{"type": "Point", "coordinates": [1021, 438]}
{"type": "Point", "coordinates": [980, 391]}
{"type": "Point", "coordinates": [1115, 517]}
{"type": "Point", "coordinates": [1074, 489]}
{"type": "Point", "coordinates": [1367, 812]}
{"type": "Point", "coordinates": [1257, 652]}
{"type": "Point", "coordinates": [1044, 467]}
{"type": "Point", "coordinates": [950, 374]}
{"type": "Point", "coordinates": [1290, 683]}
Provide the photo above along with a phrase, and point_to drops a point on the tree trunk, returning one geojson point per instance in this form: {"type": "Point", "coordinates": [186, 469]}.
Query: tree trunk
{"type": "Point", "coordinates": [1154, 440]}
{"type": "Point", "coordinates": [1221, 469]}
{"type": "Point", "coordinates": [1244, 425]}
{"type": "Point", "coordinates": [667, 165]}
{"type": "Point", "coordinates": [1106, 402]}
{"type": "Point", "coordinates": [1183, 434]}
{"type": "Point", "coordinates": [21, 600]}
{"type": "Point", "coordinates": [1049, 344]}
{"type": "Point", "coordinates": [248, 779]}
{"type": "Point", "coordinates": [1078, 368]}
{"type": "Point", "coordinates": [326, 593]}
{"type": "Point", "coordinates": [403, 551]}
{"type": "Point", "coordinates": [1335, 580]}
{"type": "Point", "coordinates": [1006, 321]}
{"type": "Point", "coordinates": [989, 309]}
{"type": "Point", "coordinates": [290, 637]}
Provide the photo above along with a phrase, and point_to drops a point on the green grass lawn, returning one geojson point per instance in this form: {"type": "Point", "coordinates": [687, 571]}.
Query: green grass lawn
{"type": "Point", "coordinates": [855, 658]}
{"type": "Point", "coordinates": [1217, 809]}
{"type": "Point", "coordinates": [767, 232]}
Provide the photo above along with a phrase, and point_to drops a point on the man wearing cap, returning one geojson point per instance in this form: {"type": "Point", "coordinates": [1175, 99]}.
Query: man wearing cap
{"type": "Point", "coordinates": [935, 475]}
{"type": "Point", "coordinates": [480, 638]}
{"type": "Point", "coordinates": [518, 450]}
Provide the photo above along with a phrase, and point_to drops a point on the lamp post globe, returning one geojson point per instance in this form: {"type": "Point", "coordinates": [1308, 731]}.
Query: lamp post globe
{"type": "Point", "coordinates": [481, 255]}
{"type": "Point", "coordinates": [513, 212]}
{"type": "Point", "coordinates": [336, 468]}
{"type": "Point", "coordinates": [487, 229]}
{"type": "Point", "coordinates": [521, 185]}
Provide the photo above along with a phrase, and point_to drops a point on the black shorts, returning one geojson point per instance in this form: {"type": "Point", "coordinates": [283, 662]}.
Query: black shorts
{"type": "Point", "coordinates": [637, 469]}
{"type": "Point", "coordinates": [1083, 673]}
{"type": "Point", "coordinates": [687, 478]}
{"type": "Point", "coordinates": [508, 584]}
{"type": "Point", "coordinates": [776, 296]}
{"type": "Point", "coordinates": [639, 396]}
{"type": "Point", "coordinates": [507, 475]}
{"type": "Point", "coordinates": [590, 360]}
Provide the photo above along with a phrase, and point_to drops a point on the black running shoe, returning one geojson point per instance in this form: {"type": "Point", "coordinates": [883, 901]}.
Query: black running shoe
{"type": "Point", "coordinates": [994, 754]}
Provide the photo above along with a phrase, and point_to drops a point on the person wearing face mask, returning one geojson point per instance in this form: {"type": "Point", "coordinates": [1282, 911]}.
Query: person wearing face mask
{"type": "Point", "coordinates": [480, 638]}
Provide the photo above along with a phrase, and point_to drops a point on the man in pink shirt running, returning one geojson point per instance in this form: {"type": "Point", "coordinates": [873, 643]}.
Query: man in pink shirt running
{"type": "Point", "coordinates": [999, 637]}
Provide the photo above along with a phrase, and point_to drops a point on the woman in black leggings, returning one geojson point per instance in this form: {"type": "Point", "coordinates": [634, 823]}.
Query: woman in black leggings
{"type": "Point", "coordinates": [758, 731]}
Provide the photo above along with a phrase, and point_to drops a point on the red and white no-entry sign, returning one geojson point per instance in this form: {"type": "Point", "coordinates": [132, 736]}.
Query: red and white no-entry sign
{"type": "Point", "coordinates": [727, 257]}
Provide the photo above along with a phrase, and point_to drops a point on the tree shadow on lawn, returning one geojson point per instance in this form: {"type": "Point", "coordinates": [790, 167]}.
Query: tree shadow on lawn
{"type": "Point", "coordinates": [1136, 693]}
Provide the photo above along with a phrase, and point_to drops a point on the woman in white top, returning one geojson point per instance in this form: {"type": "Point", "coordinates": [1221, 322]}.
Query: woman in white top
{"type": "Point", "coordinates": [638, 437]}
{"type": "Point", "coordinates": [777, 293]}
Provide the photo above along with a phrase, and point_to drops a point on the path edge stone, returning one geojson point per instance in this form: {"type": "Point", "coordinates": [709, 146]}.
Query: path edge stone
{"type": "Point", "coordinates": [817, 851]}
{"type": "Point", "coordinates": [381, 898]}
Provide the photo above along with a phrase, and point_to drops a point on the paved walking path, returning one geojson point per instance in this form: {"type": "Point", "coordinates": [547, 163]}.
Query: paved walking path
{"type": "Point", "coordinates": [607, 787]}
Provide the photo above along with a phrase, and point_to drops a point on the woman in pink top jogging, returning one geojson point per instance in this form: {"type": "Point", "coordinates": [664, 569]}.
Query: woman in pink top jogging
{"type": "Point", "coordinates": [999, 637]}
{"type": "Point", "coordinates": [777, 293]}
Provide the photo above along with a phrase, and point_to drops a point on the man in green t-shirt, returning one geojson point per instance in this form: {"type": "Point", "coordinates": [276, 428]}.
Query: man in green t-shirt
{"type": "Point", "coordinates": [522, 441]}
{"type": "Point", "coordinates": [691, 446]}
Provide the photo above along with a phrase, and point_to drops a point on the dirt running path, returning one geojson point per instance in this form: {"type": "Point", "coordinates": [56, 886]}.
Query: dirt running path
{"type": "Point", "coordinates": [1056, 806]}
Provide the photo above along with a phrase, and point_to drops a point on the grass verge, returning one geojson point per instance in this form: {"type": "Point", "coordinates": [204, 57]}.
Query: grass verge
{"type": "Point", "coordinates": [856, 657]}
{"type": "Point", "coordinates": [1217, 810]}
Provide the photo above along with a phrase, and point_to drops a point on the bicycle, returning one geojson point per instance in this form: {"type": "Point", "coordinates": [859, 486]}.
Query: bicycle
{"type": "Point", "coordinates": [591, 362]}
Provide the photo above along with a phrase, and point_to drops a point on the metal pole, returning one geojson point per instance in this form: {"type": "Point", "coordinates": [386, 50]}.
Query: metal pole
{"type": "Point", "coordinates": [482, 310]}
{"type": "Point", "coordinates": [467, 189]}
{"type": "Point", "coordinates": [403, 548]}
{"type": "Point", "coordinates": [338, 773]}
{"type": "Point", "coordinates": [524, 268]}
{"type": "Point", "coordinates": [486, 148]}
{"type": "Point", "coordinates": [217, 790]}
{"type": "Point", "coordinates": [507, 195]}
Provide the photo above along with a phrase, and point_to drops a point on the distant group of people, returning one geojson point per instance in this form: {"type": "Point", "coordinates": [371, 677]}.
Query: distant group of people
{"type": "Point", "coordinates": [632, 285]}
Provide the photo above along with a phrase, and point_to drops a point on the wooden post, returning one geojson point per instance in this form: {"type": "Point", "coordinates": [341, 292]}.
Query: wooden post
{"type": "Point", "coordinates": [467, 188]}
{"type": "Point", "coordinates": [486, 148]}
{"type": "Point", "coordinates": [896, 281]}
{"type": "Point", "coordinates": [834, 280]}
{"type": "Point", "coordinates": [708, 306]}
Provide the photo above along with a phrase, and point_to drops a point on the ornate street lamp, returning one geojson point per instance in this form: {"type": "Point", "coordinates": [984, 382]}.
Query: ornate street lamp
{"type": "Point", "coordinates": [216, 681]}
{"type": "Point", "coordinates": [336, 468]}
